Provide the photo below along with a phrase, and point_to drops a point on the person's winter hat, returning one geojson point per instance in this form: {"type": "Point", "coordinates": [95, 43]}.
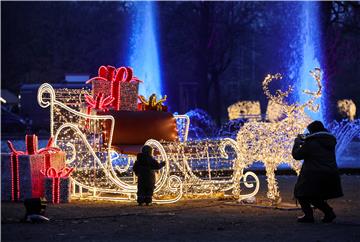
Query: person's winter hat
{"type": "Point", "coordinates": [146, 149]}
{"type": "Point", "coordinates": [316, 126]}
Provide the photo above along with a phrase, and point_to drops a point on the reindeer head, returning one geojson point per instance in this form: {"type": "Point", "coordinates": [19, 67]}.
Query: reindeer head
{"type": "Point", "coordinates": [279, 96]}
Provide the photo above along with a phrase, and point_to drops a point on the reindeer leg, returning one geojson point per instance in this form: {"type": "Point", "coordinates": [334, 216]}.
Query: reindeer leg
{"type": "Point", "coordinates": [273, 192]}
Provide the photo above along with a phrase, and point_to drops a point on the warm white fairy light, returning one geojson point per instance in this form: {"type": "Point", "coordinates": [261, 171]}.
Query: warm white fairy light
{"type": "Point", "coordinates": [245, 109]}
{"type": "Point", "coordinates": [271, 143]}
{"type": "Point", "coordinates": [274, 111]}
{"type": "Point", "coordinates": [192, 167]}
{"type": "Point", "coordinates": [347, 108]}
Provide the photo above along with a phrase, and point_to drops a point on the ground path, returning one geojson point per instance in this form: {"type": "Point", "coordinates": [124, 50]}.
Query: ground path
{"type": "Point", "coordinates": [195, 220]}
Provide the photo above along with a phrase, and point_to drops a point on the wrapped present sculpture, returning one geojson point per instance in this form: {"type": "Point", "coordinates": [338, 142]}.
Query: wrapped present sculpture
{"type": "Point", "coordinates": [21, 175]}
{"type": "Point", "coordinates": [347, 108]}
{"type": "Point", "coordinates": [118, 85]}
{"type": "Point", "coordinates": [152, 103]}
{"type": "Point", "coordinates": [57, 185]}
{"type": "Point", "coordinates": [245, 110]}
{"type": "Point", "coordinates": [103, 155]}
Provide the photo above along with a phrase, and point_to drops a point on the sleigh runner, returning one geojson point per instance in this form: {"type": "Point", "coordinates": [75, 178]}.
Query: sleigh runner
{"type": "Point", "coordinates": [104, 171]}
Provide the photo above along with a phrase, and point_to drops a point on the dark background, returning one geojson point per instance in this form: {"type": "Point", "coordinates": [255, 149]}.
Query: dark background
{"type": "Point", "coordinates": [212, 53]}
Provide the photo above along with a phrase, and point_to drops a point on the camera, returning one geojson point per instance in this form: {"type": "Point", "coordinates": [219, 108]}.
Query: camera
{"type": "Point", "coordinates": [302, 136]}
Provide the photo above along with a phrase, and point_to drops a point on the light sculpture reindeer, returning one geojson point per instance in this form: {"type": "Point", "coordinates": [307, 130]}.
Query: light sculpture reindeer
{"type": "Point", "coordinates": [271, 143]}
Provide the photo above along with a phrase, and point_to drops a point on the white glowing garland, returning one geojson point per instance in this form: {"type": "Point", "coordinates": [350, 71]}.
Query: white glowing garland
{"type": "Point", "coordinates": [96, 174]}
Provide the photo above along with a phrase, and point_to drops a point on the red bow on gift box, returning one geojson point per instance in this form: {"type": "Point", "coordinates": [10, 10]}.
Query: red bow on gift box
{"type": "Point", "coordinates": [56, 175]}
{"type": "Point", "coordinates": [98, 103]}
{"type": "Point", "coordinates": [115, 76]}
{"type": "Point", "coordinates": [105, 73]}
{"type": "Point", "coordinates": [31, 142]}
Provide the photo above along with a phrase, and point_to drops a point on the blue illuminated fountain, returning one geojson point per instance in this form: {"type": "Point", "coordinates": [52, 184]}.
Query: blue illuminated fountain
{"type": "Point", "coordinates": [310, 57]}
{"type": "Point", "coordinates": [144, 52]}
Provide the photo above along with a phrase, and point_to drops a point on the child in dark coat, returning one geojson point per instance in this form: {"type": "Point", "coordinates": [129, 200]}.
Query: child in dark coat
{"type": "Point", "coordinates": [144, 168]}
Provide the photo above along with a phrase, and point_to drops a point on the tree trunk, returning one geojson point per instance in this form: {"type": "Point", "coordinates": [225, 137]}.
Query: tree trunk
{"type": "Point", "coordinates": [329, 57]}
{"type": "Point", "coordinates": [215, 102]}
{"type": "Point", "coordinates": [203, 56]}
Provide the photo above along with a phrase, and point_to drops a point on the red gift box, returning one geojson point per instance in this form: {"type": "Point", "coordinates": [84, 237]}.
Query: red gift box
{"type": "Point", "coordinates": [57, 185]}
{"type": "Point", "coordinates": [21, 171]}
{"type": "Point", "coordinates": [118, 84]}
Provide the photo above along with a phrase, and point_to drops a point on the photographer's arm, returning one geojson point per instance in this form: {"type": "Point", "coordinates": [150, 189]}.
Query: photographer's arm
{"type": "Point", "coordinates": [156, 165]}
{"type": "Point", "coordinates": [299, 149]}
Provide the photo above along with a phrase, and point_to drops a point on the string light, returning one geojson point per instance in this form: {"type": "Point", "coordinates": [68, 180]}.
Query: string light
{"type": "Point", "coordinates": [271, 143]}
{"type": "Point", "coordinates": [192, 167]}
{"type": "Point", "coordinates": [15, 180]}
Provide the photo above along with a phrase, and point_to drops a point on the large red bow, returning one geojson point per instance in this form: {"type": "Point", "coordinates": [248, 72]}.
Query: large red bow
{"type": "Point", "coordinates": [31, 143]}
{"type": "Point", "coordinates": [105, 73]}
{"type": "Point", "coordinates": [63, 173]}
{"type": "Point", "coordinates": [98, 102]}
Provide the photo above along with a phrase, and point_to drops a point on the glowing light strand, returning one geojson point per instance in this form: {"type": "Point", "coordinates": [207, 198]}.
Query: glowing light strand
{"type": "Point", "coordinates": [183, 173]}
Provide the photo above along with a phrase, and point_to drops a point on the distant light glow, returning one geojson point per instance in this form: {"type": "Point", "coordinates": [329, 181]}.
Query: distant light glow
{"type": "Point", "coordinates": [144, 53]}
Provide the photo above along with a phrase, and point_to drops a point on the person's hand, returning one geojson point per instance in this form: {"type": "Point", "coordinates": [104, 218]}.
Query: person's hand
{"type": "Point", "coordinates": [301, 136]}
{"type": "Point", "coordinates": [298, 140]}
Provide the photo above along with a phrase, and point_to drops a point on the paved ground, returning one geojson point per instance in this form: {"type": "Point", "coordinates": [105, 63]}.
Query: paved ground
{"type": "Point", "coordinates": [195, 220]}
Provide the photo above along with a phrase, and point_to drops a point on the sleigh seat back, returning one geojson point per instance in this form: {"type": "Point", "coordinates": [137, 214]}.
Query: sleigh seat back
{"type": "Point", "coordinates": [133, 128]}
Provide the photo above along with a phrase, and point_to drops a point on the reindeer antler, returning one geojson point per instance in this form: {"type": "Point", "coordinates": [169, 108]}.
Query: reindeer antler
{"type": "Point", "coordinates": [279, 95]}
{"type": "Point", "coordinates": [316, 74]}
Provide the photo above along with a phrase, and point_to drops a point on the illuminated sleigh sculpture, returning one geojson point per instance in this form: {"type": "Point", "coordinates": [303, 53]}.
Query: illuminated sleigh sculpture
{"type": "Point", "coordinates": [206, 167]}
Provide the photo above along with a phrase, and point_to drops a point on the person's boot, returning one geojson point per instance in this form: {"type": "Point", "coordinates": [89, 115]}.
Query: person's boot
{"type": "Point", "coordinates": [306, 219]}
{"type": "Point", "coordinates": [308, 216]}
{"type": "Point", "coordinates": [329, 216]}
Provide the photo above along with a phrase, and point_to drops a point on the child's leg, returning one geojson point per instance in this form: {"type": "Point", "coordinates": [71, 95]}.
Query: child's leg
{"type": "Point", "coordinates": [140, 194]}
{"type": "Point", "coordinates": [140, 199]}
{"type": "Point", "coordinates": [148, 200]}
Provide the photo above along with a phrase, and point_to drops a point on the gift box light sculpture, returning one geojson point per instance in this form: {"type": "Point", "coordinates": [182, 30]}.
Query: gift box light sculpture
{"type": "Point", "coordinates": [205, 167]}
{"type": "Point", "coordinates": [152, 103]}
{"type": "Point", "coordinates": [347, 108]}
{"type": "Point", "coordinates": [245, 109]}
{"type": "Point", "coordinates": [271, 143]}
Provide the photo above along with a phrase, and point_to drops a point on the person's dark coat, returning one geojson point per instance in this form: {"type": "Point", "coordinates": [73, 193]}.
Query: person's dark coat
{"type": "Point", "coordinates": [144, 168]}
{"type": "Point", "coordinates": [319, 177]}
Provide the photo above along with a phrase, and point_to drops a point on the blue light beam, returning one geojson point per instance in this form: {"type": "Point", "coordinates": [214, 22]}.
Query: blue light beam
{"type": "Point", "coordinates": [144, 53]}
{"type": "Point", "coordinates": [311, 50]}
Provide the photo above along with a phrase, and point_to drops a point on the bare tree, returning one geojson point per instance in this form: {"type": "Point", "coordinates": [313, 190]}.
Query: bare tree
{"type": "Point", "coordinates": [212, 36]}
